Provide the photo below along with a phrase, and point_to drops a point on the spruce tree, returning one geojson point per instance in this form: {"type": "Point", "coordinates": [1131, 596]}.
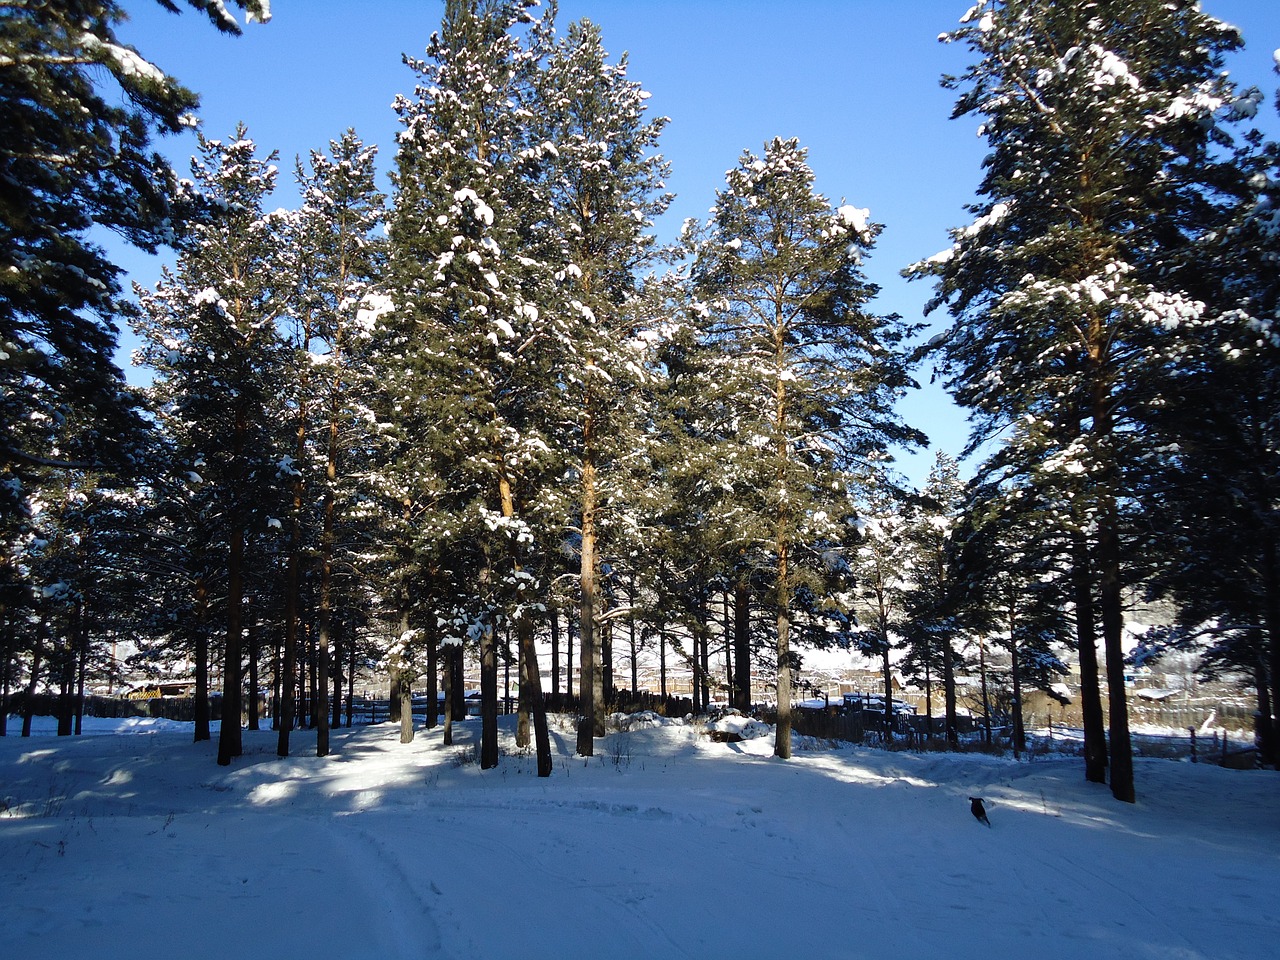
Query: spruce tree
{"type": "Point", "coordinates": [1099, 119]}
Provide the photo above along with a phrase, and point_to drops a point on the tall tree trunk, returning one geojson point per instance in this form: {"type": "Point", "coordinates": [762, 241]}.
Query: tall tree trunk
{"type": "Point", "coordinates": [523, 735]}
{"type": "Point", "coordinates": [457, 680]}
{"type": "Point", "coordinates": [6, 665]}
{"type": "Point", "coordinates": [553, 617]}
{"type": "Point", "coordinates": [449, 653]}
{"type": "Point", "coordinates": [230, 742]}
{"type": "Point", "coordinates": [986, 701]}
{"type": "Point", "coordinates": [568, 656]}
{"type": "Point", "coordinates": [253, 675]}
{"type": "Point", "coordinates": [742, 641]}
{"type": "Point", "coordinates": [662, 660]}
{"type": "Point", "coordinates": [1095, 732]}
{"type": "Point", "coordinates": [336, 671]}
{"type": "Point", "coordinates": [82, 667]}
{"type": "Point", "coordinates": [29, 704]}
{"type": "Point", "coordinates": [202, 728]}
{"type": "Point", "coordinates": [488, 697]}
{"type": "Point", "coordinates": [402, 694]}
{"type": "Point", "coordinates": [1019, 731]}
{"type": "Point", "coordinates": [1271, 598]}
{"type": "Point", "coordinates": [533, 679]}
{"type": "Point", "coordinates": [393, 702]}
{"type": "Point", "coordinates": [704, 654]}
{"type": "Point", "coordinates": [928, 699]}
{"type": "Point", "coordinates": [599, 693]}
{"type": "Point", "coordinates": [782, 738]}
{"type": "Point", "coordinates": [406, 710]}
{"type": "Point", "coordinates": [433, 673]}
{"type": "Point", "coordinates": [66, 683]}
{"type": "Point", "coordinates": [351, 677]}
{"type": "Point", "coordinates": [587, 681]}
{"type": "Point", "coordinates": [888, 681]}
{"type": "Point", "coordinates": [1122, 787]}
{"type": "Point", "coordinates": [951, 716]}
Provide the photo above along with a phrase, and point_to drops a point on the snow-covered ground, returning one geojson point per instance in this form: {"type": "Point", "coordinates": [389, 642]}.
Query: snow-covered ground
{"type": "Point", "coordinates": [130, 841]}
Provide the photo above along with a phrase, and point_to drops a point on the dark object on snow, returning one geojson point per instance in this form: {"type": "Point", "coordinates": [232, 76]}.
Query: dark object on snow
{"type": "Point", "coordinates": [978, 810]}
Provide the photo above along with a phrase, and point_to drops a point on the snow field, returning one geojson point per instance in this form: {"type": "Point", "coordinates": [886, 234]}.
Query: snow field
{"type": "Point", "coordinates": [665, 844]}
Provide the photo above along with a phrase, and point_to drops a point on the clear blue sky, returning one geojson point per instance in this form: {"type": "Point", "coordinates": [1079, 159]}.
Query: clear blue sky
{"type": "Point", "coordinates": [855, 80]}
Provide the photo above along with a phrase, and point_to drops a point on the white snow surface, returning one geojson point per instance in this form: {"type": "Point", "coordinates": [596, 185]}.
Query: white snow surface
{"type": "Point", "coordinates": [132, 842]}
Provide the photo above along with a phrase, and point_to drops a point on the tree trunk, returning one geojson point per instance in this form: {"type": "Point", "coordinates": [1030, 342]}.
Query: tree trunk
{"type": "Point", "coordinates": [351, 677]}
{"type": "Point", "coordinates": [532, 678]}
{"type": "Point", "coordinates": [1122, 787]}
{"type": "Point", "coordinates": [393, 702]}
{"type": "Point", "coordinates": [951, 716]}
{"type": "Point", "coordinates": [600, 692]}
{"type": "Point", "coordinates": [986, 702]}
{"type": "Point", "coordinates": [554, 619]}
{"type": "Point", "coordinates": [458, 681]}
{"type": "Point", "coordinates": [742, 642]}
{"type": "Point", "coordinates": [406, 710]}
{"type": "Point", "coordinates": [888, 684]}
{"type": "Point", "coordinates": [29, 705]}
{"type": "Point", "coordinates": [336, 664]}
{"type": "Point", "coordinates": [782, 738]}
{"type": "Point", "coordinates": [488, 698]}
{"type": "Point", "coordinates": [433, 673]}
{"type": "Point", "coordinates": [448, 654]}
{"type": "Point", "coordinates": [230, 742]}
{"type": "Point", "coordinates": [568, 656]}
{"type": "Point", "coordinates": [202, 728]}
{"type": "Point", "coordinates": [6, 664]}
{"type": "Point", "coordinates": [928, 698]}
{"type": "Point", "coordinates": [662, 660]}
{"type": "Point", "coordinates": [587, 682]}
{"type": "Point", "coordinates": [1019, 731]}
{"type": "Point", "coordinates": [1271, 600]}
{"type": "Point", "coordinates": [253, 676]}
{"type": "Point", "coordinates": [1095, 733]}
{"type": "Point", "coordinates": [523, 735]}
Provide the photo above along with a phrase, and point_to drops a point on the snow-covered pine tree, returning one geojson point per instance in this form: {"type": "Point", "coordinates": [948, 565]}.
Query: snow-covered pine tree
{"type": "Point", "coordinates": [1012, 585]}
{"type": "Point", "coordinates": [605, 184]}
{"type": "Point", "coordinates": [472, 277]}
{"type": "Point", "coordinates": [1099, 121]}
{"type": "Point", "coordinates": [338, 257]}
{"type": "Point", "coordinates": [880, 563]}
{"type": "Point", "coordinates": [78, 111]}
{"type": "Point", "coordinates": [814, 373]}
{"type": "Point", "coordinates": [209, 334]}
{"type": "Point", "coordinates": [929, 620]}
{"type": "Point", "coordinates": [1216, 467]}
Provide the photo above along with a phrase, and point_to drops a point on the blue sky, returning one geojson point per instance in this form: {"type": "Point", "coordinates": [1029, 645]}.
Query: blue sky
{"type": "Point", "coordinates": [855, 80]}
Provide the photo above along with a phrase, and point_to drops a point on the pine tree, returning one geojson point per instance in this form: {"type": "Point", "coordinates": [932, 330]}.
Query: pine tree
{"type": "Point", "coordinates": [472, 287]}
{"type": "Point", "coordinates": [337, 259]}
{"type": "Point", "coordinates": [814, 374]}
{"type": "Point", "coordinates": [1096, 117]}
{"type": "Point", "coordinates": [605, 186]}
{"type": "Point", "coordinates": [1218, 441]}
{"type": "Point", "coordinates": [78, 111]}
{"type": "Point", "coordinates": [929, 612]}
{"type": "Point", "coordinates": [210, 335]}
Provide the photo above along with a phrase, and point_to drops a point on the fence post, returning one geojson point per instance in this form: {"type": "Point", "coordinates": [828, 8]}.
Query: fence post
{"type": "Point", "coordinates": [1192, 730]}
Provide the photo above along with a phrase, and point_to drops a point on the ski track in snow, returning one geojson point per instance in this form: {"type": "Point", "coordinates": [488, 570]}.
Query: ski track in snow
{"type": "Point", "coordinates": [664, 844]}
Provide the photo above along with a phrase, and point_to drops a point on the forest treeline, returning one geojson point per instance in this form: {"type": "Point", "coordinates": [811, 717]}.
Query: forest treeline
{"type": "Point", "coordinates": [382, 430]}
